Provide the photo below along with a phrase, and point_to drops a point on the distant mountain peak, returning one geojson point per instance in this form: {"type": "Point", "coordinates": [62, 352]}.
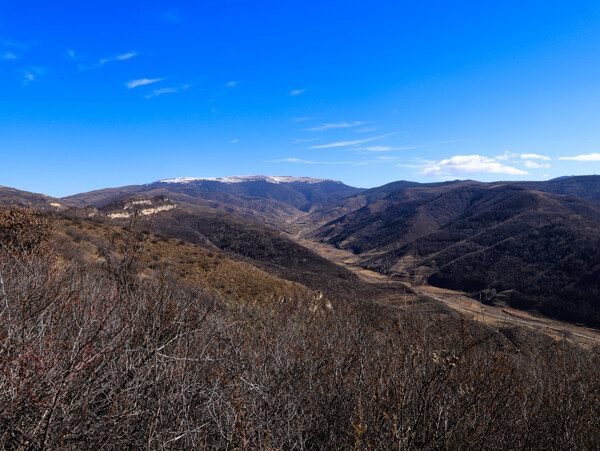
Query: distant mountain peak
{"type": "Point", "coordinates": [247, 178]}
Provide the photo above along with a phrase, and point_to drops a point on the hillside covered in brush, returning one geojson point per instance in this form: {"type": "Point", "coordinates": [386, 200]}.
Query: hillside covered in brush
{"type": "Point", "coordinates": [104, 355]}
{"type": "Point", "coordinates": [529, 245]}
{"type": "Point", "coordinates": [539, 249]}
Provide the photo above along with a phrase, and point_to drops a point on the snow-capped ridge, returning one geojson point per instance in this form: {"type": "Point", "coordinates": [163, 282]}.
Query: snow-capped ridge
{"type": "Point", "coordinates": [247, 178]}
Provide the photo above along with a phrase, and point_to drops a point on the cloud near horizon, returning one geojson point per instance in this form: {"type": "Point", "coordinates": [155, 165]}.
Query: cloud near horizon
{"type": "Point", "coordinates": [470, 164]}
{"type": "Point", "coordinates": [534, 156]}
{"type": "Point", "coordinates": [506, 156]}
{"type": "Point", "coordinates": [584, 157]}
{"type": "Point", "coordinates": [534, 165]}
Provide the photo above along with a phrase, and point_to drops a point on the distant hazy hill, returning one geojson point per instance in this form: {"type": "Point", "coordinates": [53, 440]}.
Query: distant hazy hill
{"type": "Point", "coordinates": [585, 186]}
{"type": "Point", "coordinates": [301, 193]}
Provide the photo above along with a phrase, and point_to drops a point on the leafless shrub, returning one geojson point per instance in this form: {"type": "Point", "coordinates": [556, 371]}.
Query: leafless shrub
{"type": "Point", "coordinates": [92, 360]}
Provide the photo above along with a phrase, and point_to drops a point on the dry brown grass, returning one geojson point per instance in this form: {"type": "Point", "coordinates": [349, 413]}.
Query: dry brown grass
{"type": "Point", "coordinates": [187, 263]}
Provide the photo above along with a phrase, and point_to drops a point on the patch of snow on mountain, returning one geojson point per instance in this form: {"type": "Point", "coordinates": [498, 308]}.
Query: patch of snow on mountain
{"type": "Point", "coordinates": [246, 178]}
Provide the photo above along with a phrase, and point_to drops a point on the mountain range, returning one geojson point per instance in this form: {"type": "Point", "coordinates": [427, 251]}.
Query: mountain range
{"type": "Point", "coordinates": [533, 245]}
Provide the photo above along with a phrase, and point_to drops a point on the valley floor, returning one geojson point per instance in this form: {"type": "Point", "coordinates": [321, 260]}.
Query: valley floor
{"type": "Point", "coordinates": [471, 308]}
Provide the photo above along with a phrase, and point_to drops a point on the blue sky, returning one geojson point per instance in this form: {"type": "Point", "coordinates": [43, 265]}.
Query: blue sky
{"type": "Point", "coordinates": [98, 94]}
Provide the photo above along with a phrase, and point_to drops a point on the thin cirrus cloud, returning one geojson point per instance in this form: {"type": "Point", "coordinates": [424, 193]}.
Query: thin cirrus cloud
{"type": "Point", "coordinates": [470, 164]}
{"type": "Point", "coordinates": [298, 160]}
{"type": "Point", "coordinates": [32, 74]}
{"type": "Point", "coordinates": [28, 77]}
{"type": "Point", "coordinates": [584, 157]}
{"type": "Point", "coordinates": [324, 127]}
{"type": "Point", "coordinates": [159, 92]}
{"type": "Point", "coordinates": [231, 84]}
{"type": "Point", "coordinates": [172, 15]}
{"type": "Point", "coordinates": [142, 82]}
{"type": "Point", "coordinates": [378, 148]}
{"type": "Point", "coordinates": [355, 142]}
{"type": "Point", "coordinates": [296, 92]}
{"type": "Point", "coordinates": [386, 148]}
{"type": "Point", "coordinates": [103, 61]}
{"type": "Point", "coordinates": [17, 45]}
{"type": "Point", "coordinates": [8, 56]}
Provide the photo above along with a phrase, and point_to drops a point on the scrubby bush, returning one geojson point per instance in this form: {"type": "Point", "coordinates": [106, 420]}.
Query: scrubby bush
{"type": "Point", "coordinates": [88, 362]}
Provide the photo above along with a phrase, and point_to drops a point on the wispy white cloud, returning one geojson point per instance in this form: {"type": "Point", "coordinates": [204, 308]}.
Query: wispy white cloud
{"type": "Point", "coordinates": [231, 84]}
{"type": "Point", "coordinates": [8, 56]}
{"type": "Point", "coordinates": [412, 166]}
{"type": "Point", "coordinates": [103, 61]}
{"type": "Point", "coordinates": [172, 15]}
{"type": "Point", "coordinates": [584, 157]}
{"type": "Point", "coordinates": [366, 129]}
{"type": "Point", "coordinates": [300, 119]}
{"type": "Point", "coordinates": [122, 57]}
{"type": "Point", "coordinates": [141, 82]}
{"type": "Point", "coordinates": [298, 160]}
{"type": "Point", "coordinates": [470, 164]}
{"type": "Point", "coordinates": [159, 92]}
{"type": "Point", "coordinates": [28, 77]}
{"type": "Point", "coordinates": [296, 92]}
{"type": "Point", "coordinates": [387, 158]}
{"type": "Point", "coordinates": [416, 163]}
{"type": "Point", "coordinates": [534, 156]}
{"type": "Point", "coordinates": [125, 56]}
{"type": "Point", "coordinates": [355, 142]}
{"type": "Point", "coordinates": [378, 148]}
{"type": "Point", "coordinates": [304, 140]}
{"type": "Point", "coordinates": [386, 148]}
{"type": "Point", "coordinates": [534, 165]}
{"type": "Point", "coordinates": [32, 74]}
{"type": "Point", "coordinates": [16, 44]}
{"type": "Point", "coordinates": [507, 156]}
{"type": "Point", "coordinates": [323, 127]}
{"type": "Point", "coordinates": [235, 141]}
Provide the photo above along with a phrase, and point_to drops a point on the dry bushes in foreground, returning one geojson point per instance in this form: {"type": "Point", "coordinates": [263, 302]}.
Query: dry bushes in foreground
{"type": "Point", "coordinates": [88, 362]}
